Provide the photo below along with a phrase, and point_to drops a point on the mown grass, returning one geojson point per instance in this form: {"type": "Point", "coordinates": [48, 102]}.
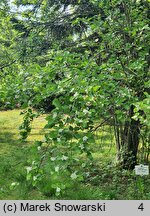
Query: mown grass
{"type": "Point", "coordinates": [14, 155]}
{"type": "Point", "coordinates": [106, 181]}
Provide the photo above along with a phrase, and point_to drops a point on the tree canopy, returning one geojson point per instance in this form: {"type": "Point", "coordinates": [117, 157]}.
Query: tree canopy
{"type": "Point", "coordinates": [88, 60]}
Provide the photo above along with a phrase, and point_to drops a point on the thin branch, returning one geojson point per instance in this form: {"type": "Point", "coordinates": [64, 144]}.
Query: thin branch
{"type": "Point", "coordinates": [101, 124]}
{"type": "Point", "coordinates": [8, 64]}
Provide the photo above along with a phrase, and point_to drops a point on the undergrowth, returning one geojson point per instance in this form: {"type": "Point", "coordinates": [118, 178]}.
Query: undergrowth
{"type": "Point", "coordinates": [104, 179]}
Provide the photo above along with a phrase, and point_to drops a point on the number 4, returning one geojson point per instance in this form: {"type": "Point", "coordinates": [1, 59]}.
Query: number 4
{"type": "Point", "coordinates": [141, 207]}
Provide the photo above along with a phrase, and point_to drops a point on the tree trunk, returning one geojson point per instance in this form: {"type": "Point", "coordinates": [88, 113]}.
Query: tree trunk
{"type": "Point", "coordinates": [130, 141]}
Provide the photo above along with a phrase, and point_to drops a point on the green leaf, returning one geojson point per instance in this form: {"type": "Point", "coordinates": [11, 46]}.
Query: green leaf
{"type": "Point", "coordinates": [56, 103]}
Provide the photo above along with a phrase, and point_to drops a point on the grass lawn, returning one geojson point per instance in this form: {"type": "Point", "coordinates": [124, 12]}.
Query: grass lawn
{"type": "Point", "coordinates": [105, 181]}
{"type": "Point", "coordinates": [14, 155]}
